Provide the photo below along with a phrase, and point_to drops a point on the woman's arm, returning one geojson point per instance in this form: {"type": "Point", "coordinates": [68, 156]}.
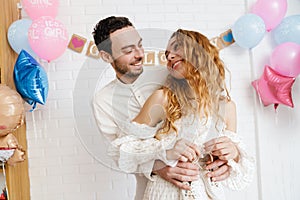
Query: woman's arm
{"type": "Point", "coordinates": [138, 148]}
{"type": "Point", "coordinates": [143, 149]}
{"type": "Point", "coordinates": [222, 146]}
{"type": "Point", "coordinates": [229, 147]}
{"type": "Point", "coordinates": [230, 116]}
{"type": "Point", "coordinates": [148, 120]}
{"type": "Point", "coordinates": [153, 110]}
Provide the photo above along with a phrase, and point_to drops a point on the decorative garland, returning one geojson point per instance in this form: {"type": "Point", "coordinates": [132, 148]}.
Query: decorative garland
{"type": "Point", "coordinates": [47, 38]}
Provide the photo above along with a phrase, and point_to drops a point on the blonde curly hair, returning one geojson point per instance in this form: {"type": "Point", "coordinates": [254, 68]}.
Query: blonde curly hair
{"type": "Point", "coordinates": [204, 82]}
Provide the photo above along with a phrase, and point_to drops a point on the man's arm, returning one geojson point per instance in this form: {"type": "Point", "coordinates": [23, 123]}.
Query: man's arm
{"type": "Point", "coordinates": [103, 114]}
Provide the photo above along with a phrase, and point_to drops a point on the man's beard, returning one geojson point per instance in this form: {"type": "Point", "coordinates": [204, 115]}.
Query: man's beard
{"type": "Point", "coordinates": [123, 69]}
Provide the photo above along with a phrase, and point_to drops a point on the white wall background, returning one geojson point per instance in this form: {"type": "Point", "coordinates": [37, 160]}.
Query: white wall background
{"type": "Point", "coordinates": [64, 146]}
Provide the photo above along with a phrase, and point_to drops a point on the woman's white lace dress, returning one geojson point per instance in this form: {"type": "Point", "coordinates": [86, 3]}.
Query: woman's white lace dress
{"type": "Point", "coordinates": [137, 155]}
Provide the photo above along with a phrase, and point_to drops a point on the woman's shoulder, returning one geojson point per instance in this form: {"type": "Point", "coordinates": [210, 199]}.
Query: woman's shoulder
{"type": "Point", "coordinates": [230, 104]}
{"type": "Point", "coordinates": [153, 111]}
{"type": "Point", "coordinates": [227, 104]}
{"type": "Point", "coordinates": [158, 97]}
{"type": "Point", "coordinates": [230, 114]}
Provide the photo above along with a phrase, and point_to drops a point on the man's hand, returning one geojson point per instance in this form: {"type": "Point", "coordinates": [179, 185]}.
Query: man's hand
{"type": "Point", "coordinates": [220, 172]}
{"type": "Point", "coordinates": [184, 171]}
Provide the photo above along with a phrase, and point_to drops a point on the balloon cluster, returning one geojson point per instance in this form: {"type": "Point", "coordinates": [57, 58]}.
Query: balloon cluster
{"type": "Point", "coordinates": [42, 35]}
{"type": "Point", "coordinates": [265, 15]}
{"type": "Point", "coordinates": [274, 85]}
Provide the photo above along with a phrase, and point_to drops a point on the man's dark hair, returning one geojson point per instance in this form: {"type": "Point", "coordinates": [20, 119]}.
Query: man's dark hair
{"type": "Point", "coordinates": [104, 28]}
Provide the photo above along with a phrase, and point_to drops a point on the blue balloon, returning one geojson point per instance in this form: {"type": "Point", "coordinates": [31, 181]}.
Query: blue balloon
{"type": "Point", "coordinates": [30, 79]}
{"type": "Point", "coordinates": [288, 30]}
{"type": "Point", "coordinates": [248, 30]}
{"type": "Point", "coordinates": [17, 36]}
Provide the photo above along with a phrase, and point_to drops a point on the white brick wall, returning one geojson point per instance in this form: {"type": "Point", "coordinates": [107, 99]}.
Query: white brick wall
{"type": "Point", "coordinates": [60, 165]}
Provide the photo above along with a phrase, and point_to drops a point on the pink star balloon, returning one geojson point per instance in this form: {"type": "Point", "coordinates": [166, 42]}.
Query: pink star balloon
{"type": "Point", "coordinates": [274, 88]}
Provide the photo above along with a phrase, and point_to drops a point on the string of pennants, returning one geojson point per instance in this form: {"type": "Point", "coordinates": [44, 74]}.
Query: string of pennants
{"type": "Point", "coordinates": [78, 42]}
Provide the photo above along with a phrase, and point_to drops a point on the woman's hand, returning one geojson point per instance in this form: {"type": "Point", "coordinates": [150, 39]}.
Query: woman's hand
{"type": "Point", "coordinates": [223, 148]}
{"type": "Point", "coordinates": [184, 151]}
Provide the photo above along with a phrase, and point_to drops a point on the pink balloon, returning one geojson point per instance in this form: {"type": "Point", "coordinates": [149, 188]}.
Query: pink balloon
{"type": "Point", "coordinates": [274, 88]}
{"type": "Point", "coordinates": [48, 38]}
{"type": "Point", "coordinates": [285, 59]}
{"type": "Point", "coordinates": [271, 11]}
{"type": "Point", "coordinates": [39, 8]}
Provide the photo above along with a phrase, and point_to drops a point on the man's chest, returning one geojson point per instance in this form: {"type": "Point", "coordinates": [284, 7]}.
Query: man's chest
{"type": "Point", "coordinates": [127, 102]}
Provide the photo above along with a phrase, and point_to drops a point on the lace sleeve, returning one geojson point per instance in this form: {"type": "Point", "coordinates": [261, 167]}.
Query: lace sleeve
{"type": "Point", "coordinates": [137, 154]}
{"type": "Point", "coordinates": [141, 131]}
{"type": "Point", "coordinates": [242, 172]}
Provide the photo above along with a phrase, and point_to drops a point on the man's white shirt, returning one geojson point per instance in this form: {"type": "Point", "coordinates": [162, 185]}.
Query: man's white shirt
{"type": "Point", "coordinates": [118, 102]}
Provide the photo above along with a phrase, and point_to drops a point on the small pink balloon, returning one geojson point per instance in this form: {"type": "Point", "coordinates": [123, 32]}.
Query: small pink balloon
{"type": "Point", "coordinates": [274, 88]}
{"type": "Point", "coordinates": [39, 8]}
{"type": "Point", "coordinates": [48, 38]}
{"type": "Point", "coordinates": [285, 59]}
{"type": "Point", "coordinates": [271, 11]}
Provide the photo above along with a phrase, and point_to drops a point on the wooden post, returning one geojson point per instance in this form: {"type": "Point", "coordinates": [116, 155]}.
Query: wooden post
{"type": "Point", "coordinates": [17, 178]}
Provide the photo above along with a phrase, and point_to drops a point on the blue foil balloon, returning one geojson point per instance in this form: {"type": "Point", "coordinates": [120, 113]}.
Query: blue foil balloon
{"type": "Point", "coordinates": [288, 30]}
{"type": "Point", "coordinates": [30, 79]}
{"type": "Point", "coordinates": [248, 30]}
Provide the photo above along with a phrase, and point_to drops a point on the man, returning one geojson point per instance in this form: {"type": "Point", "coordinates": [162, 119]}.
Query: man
{"type": "Point", "coordinates": [120, 45]}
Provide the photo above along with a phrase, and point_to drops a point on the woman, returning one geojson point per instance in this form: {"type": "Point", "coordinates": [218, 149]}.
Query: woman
{"type": "Point", "coordinates": [192, 107]}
